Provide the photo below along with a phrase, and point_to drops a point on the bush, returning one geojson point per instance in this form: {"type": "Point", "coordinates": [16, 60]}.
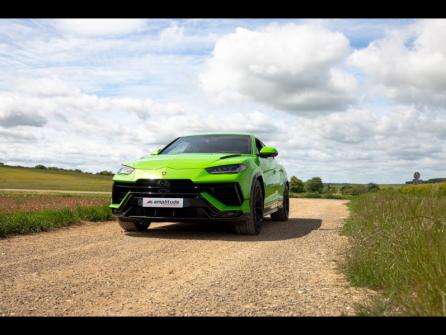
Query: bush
{"type": "Point", "coordinates": [354, 189]}
{"type": "Point", "coordinates": [327, 189]}
{"type": "Point", "coordinates": [359, 189]}
{"type": "Point", "coordinates": [346, 190]}
{"type": "Point", "coordinates": [40, 166]}
{"type": "Point", "coordinates": [296, 185]}
{"type": "Point", "coordinates": [312, 195]}
{"type": "Point", "coordinates": [372, 187]}
{"type": "Point", "coordinates": [105, 173]}
{"type": "Point", "coordinates": [314, 185]}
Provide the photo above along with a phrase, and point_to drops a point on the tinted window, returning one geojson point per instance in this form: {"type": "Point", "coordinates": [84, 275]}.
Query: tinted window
{"type": "Point", "coordinates": [237, 144]}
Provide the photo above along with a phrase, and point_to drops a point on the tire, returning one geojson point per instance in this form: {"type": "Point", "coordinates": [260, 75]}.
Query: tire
{"type": "Point", "coordinates": [134, 226]}
{"type": "Point", "coordinates": [253, 225]}
{"type": "Point", "coordinates": [282, 213]}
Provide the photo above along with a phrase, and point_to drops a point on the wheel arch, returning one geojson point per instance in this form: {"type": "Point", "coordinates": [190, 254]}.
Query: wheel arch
{"type": "Point", "coordinates": [258, 176]}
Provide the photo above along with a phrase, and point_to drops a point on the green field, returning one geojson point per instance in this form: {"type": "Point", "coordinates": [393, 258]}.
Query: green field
{"type": "Point", "coordinates": [398, 240]}
{"type": "Point", "coordinates": [30, 178]}
{"type": "Point", "coordinates": [27, 212]}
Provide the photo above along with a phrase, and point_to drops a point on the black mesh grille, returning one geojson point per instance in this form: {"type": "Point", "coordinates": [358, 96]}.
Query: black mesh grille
{"type": "Point", "coordinates": [181, 187]}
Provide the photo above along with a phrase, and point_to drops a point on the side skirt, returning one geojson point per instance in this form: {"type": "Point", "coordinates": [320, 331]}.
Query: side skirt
{"type": "Point", "coordinates": [274, 207]}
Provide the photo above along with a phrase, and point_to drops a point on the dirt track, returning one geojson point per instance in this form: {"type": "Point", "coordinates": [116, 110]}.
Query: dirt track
{"type": "Point", "coordinates": [291, 268]}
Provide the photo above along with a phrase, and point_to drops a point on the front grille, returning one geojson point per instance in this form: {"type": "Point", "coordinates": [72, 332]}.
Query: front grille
{"type": "Point", "coordinates": [227, 193]}
{"type": "Point", "coordinates": [180, 187]}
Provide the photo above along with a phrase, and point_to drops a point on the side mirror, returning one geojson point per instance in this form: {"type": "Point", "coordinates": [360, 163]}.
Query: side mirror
{"type": "Point", "coordinates": [156, 152]}
{"type": "Point", "coordinates": [268, 152]}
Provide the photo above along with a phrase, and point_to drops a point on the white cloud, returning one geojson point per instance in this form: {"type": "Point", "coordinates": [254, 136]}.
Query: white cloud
{"type": "Point", "coordinates": [296, 68]}
{"type": "Point", "coordinates": [45, 87]}
{"type": "Point", "coordinates": [92, 99]}
{"type": "Point", "coordinates": [100, 131]}
{"type": "Point", "coordinates": [14, 118]}
{"type": "Point", "coordinates": [408, 64]}
{"type": "Point", "coordinates": [16, 112]}
{"type": "Point", "coordinates": [173, 33]}
{"type": "Point", "coordinates": [49, 96]}
{"type": "Point", "coordinates": [97, 27]}
{"type": "Point", "coordinates": [95, 133]}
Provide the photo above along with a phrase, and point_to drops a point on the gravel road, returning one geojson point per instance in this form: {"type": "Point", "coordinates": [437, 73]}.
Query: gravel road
{"type": "Point", "coordinates": [291, 268]}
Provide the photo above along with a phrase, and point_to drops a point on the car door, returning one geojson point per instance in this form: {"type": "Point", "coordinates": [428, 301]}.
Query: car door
{"type": "Point", "coordinates": [267, 165]}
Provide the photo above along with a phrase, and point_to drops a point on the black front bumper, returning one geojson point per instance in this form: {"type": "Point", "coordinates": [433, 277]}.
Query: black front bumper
{"type": "Point", "coordinates": [194, 208]}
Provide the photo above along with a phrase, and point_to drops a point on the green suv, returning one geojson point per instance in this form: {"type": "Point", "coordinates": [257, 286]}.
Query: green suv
{"type": "Point", "coordinates": [205, 177]}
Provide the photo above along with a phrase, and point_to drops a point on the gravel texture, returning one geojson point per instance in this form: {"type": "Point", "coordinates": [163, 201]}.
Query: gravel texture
{"type": "Point", "coordinates": [291, 268]}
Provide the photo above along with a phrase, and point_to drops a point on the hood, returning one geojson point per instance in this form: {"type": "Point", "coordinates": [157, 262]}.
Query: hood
{"type": "Point", "coordinates": [186, 161]}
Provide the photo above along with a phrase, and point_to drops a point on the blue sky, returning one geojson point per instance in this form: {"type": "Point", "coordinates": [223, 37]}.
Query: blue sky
{"type": "Point", "coordinates": [347, 100]}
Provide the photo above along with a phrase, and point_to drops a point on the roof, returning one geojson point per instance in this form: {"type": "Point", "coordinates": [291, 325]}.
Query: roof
{"type": "Point", "coordinates": [221, 133]}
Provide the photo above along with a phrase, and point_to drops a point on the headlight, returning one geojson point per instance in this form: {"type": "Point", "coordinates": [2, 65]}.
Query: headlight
{"type": "Point", "coordinates": [234, 168]}
{"type": "Point", "coordinates": [125, 170]}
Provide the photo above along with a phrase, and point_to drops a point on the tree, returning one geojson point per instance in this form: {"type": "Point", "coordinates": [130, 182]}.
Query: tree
{"type": "Point", "coordinates": [328, 189]}
{"type": "Point", "coordinates": [359, 189]}
{"type": "Point", "coordinates": [105, 173]}
{"type": "Point", "coordinates": [346, 190]}
{"type": "Point", "coordinates": [40, 166]}
{"type": "Point", "coordinates": [354, 189]}
{"type": "Point", "coordinates": [296, 185]}
{"type": "Point", "coordinates": [314, 185]}
{"type": "Point", "coordinates": [372, 187]}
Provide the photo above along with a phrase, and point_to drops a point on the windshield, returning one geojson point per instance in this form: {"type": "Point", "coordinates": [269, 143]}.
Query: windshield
{"type": "Point", "coordinates": [237, 144]}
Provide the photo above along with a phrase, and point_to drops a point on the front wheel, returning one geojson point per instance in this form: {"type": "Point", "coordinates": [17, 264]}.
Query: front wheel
{"type": "Point", "coordinates": [253, 224]}
{"type": "Point", "coordinates": [282, 213]}
{"type": "Point", "coordinates": [133, 225]}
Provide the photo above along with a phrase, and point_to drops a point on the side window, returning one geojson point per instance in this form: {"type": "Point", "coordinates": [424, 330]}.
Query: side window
{"type": "Point", "coordinates": [259, 146]}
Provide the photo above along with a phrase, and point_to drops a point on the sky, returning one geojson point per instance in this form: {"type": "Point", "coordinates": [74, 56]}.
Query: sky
{"type": "Point", "coordinates": [348, 100]}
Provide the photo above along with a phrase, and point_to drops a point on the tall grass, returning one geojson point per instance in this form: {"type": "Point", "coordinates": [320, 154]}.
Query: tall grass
{"type": "Point", "coordinates": [399, 248]}
{"type": "Point", "coordinates": [27, 222]}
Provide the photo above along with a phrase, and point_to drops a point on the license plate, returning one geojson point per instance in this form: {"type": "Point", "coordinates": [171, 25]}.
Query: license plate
{"type": "Point", "coordinates": [163, 202]}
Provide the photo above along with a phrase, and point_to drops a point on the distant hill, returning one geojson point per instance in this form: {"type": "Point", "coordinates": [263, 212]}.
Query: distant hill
{"type": "Point", "coordinates": [52, 179]}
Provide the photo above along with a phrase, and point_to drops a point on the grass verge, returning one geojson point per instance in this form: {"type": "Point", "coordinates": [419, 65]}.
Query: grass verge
{"type": "Point", "coordinates": [27, 222]}
{"type": "Point", "coordinates": [399, 248]}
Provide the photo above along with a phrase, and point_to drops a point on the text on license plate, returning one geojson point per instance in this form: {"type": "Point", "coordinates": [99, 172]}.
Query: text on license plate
{"type": "Point", "coordinates": [163, 202]}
